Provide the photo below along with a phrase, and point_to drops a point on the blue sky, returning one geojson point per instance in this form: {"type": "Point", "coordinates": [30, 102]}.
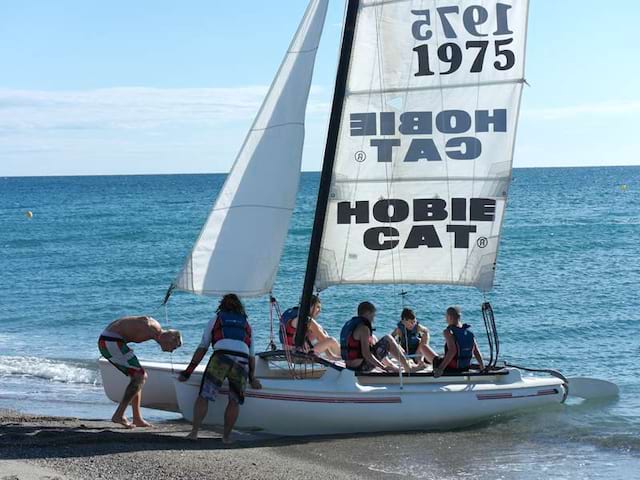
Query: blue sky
{"type": "Point", "coordinates": [171, 87]}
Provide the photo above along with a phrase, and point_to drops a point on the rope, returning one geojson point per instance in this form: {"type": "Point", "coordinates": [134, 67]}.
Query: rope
{"type": "Point", "coordinates": [551, 371]}
{"type": "Point", "coordinates": [274, 306]}
{"type": "Point", "coordinates": [272, 344]}
{"type": "Point", "coordinates": [168, 323]}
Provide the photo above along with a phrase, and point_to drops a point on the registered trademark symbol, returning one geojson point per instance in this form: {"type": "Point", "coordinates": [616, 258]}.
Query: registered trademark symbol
{"type": "Point", "coordinates": [360, 156]}
{"type": "Point", "coordinates": [482, 242]}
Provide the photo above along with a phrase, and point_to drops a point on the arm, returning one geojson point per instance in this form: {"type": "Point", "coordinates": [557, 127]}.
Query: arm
{"type": "Point", "coordinates": [198, 355]}
{"type": "Point", "coordinates": [253, 381]}
{"type": "Point", "coordinates": [200, 352]}
{"type": "Point", "coordinates": [425, 334]}
{"type": "Point", "coordinates": [362, 334]}
{"type": "Point", "coordinates": [452, 350]}
{"type": "Point", "coordinates": [478, 355]}
{"type": "Point", "coordinates": [396, 333]}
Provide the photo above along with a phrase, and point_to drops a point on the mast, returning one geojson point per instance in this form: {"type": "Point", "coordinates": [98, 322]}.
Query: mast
{"type": "Point", "coordinates": [327, 168]}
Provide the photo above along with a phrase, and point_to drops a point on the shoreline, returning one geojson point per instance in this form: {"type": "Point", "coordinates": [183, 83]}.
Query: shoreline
{"type": "Point", "coordinates": [66, 448]}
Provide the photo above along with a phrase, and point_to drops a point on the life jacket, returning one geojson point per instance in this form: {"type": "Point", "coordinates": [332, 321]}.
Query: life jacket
{"type": "Point", "coordinates": [464, 341]}
{"type": "Point", "coordinates": [232, 334]}
{"type": "Point", "coordinates": [287, 330]}
{"type": "Point", "coordinates": [349, 346]}
{"type": "Point", "coordinates": [410, 338]}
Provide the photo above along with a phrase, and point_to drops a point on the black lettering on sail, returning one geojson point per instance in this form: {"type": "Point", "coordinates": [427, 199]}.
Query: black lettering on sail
{"type": "Point", "coordinates": [461, 234]}
{"type": "Point", "coordinates": [346, 211]}
{"type": "Point", "coordinates": [423, 235]}
{"type": "Point", "coordinates": [374, 238]}
{"type": "Point", "coordinates": [429, 209]}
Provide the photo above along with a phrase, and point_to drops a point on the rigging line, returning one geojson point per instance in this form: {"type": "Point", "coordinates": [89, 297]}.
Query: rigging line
{"type": "Point", "coordinates": [425, 88]}
{"type": "Point", "coordinates": [354, 195]}
{"type": "Point", "coordinates": [380, 63]}
{"type": "Point", "coordinates": [443, 136]}
{"type": "Point", "coordinates": [278, 125]}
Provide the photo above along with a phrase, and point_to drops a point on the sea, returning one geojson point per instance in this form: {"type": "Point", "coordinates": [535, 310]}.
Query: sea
{"type": "Point", "coordinates": [566, 296]}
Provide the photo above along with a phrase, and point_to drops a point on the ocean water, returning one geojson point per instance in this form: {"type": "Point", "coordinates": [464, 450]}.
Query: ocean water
{"type": "Point", "coordinates": [565, 297]}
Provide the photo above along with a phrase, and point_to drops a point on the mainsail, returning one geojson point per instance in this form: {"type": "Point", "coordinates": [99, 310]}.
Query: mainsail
{"type": "Point", "coordinates": [240, 245]}
{"type": "Point", "coordinates": [424, 147]}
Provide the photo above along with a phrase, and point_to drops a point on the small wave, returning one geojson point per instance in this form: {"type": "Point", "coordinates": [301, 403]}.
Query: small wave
{"type": "Point", "coordinates": [54, 370]}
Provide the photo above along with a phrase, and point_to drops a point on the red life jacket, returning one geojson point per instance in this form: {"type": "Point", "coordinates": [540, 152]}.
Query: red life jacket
{"type": "Point", "coordinates": [349, 346]}
{"type": "Point", "coordinates": [287, 330]}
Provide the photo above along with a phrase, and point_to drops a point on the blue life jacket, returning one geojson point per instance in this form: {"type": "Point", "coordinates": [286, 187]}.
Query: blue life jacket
{"type": "Point", "coordinates": [410, 338]}
{"type": "Point", "coordinates": [232, 333]}
{"type": "Point", "coordinates": [464, 341]}
{"type": "Point", "coordinates": [349, 346]}
{"type": "Point", "coordinates": [287, 332]}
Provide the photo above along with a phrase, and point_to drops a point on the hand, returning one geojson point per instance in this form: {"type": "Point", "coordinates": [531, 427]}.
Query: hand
{"type": "Point", "coordinates": [184, 376]}
{"type": "Point", "coordinates": [438, 372]}
{"type": "Point", "coordinates": [255, 384]}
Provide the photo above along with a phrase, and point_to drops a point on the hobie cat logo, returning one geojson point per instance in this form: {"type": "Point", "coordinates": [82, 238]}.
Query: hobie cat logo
{"type": "Point", "coordinates": [421, 126]}
{"type": "Point", "coordinates": [395, 211]}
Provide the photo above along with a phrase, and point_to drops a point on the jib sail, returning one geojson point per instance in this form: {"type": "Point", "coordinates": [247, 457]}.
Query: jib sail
{"type": "Point", "coordinates": [240, 245]}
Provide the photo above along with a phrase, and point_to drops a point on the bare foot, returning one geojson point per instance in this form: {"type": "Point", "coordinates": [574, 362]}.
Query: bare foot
{"type": "Point", "coordinates": [139, 422]}
{"type": "Point", "coordinates": [227, 441]}
{"type": "Point", "coordinates": [122, 421]}
{"type": "Point", "coordinates": [192, 436]}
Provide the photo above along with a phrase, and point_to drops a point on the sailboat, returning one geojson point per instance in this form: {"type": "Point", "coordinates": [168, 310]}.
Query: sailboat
{"type": "Point", "coordinates": [413, 190]}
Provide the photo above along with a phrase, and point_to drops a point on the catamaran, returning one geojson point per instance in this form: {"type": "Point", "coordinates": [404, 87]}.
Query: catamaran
{"type": "Point", "coordinates": [413, 190]}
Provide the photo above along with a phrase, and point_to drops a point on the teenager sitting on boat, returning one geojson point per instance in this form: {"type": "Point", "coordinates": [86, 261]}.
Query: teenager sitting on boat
{"type": "Point", "coordinates": [413, 337]}
{"type": "Point", "coordinates": [229, 333]}
{"type": "Point", "coordinates": [112, 344]}
{"type": "Point", "coordinates": [361, 351]}
{"type": "Point", "coordinates": [316, 340]}
{"type": "Point", "coordinates": [459, 348]}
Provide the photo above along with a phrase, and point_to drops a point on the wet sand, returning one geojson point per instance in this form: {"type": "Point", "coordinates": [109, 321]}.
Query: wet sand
{"type": "Point", "coordinates": [34, 447]}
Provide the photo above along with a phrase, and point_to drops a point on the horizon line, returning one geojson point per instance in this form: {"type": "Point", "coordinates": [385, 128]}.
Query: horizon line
{"type": "Point", "coordinates": [303, 171]}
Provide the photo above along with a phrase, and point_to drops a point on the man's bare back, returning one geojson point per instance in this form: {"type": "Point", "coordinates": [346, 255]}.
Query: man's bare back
{"type": "Point", "coordinates": [136, 329]}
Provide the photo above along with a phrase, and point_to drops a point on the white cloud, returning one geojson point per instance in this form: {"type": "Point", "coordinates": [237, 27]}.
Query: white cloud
{"type": "Point", "coordinates": [132, 129]}
{"type": "Point", "coordinates": [125, 108]}
{"type": "Point", "coordinates": [133, 107]}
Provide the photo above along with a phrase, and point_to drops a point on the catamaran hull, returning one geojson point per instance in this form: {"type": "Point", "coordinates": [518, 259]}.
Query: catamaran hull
{"type": "Point", "coordinates": [338, 404]}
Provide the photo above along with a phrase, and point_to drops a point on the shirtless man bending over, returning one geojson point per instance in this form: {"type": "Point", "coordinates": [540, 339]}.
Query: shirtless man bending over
{"type": "Point", "coordinates": [113, 346]}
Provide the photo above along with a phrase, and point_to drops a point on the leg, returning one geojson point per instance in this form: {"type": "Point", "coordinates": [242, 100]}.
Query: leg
{"type": "Point", "coordinates": [138, 421]}
{"type": "Point", "coordinates": [134, 387]}
{"type": "Point", "coordinates": [396, 352]}
{"type": "Point", "coordinates": [427, 352]}
{"type": "Point", "coordinates": [329, 346]}
{"type": "Point", "coordinates": [230, 418]}
{"type": "Point", "coordinates": [200, 409]}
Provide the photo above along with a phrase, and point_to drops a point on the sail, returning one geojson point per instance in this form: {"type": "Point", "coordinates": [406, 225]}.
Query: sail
{"type": "Point", "coordinates": [425, 143]}
{"type": "Point", "coordinates": [239, 247]}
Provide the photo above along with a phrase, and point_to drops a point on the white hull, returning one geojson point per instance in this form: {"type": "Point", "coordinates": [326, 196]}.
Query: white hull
{"type": "Point", "coordinates": [338, 403]}
{"type": "Point", "coordinates": [341, 402]}
{"type": "Point", "coordinates": [159, 392]}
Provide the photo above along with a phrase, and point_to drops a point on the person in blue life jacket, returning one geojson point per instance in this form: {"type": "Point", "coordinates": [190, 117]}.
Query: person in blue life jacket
{"type": "Point", "coordinates": [362, 351]}
{"type": "Point", "coordinates": [317, 339]}
{"type": "Point", "coordinates": [229, 333]}
{"type": "Point", "coordinates": [413, 337]}
{"type": "Point", "coordinates": [459, 348]}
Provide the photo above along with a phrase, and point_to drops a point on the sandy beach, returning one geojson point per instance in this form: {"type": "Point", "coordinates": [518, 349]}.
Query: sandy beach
{"type": "Point", "coordinates": [36, 447]}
